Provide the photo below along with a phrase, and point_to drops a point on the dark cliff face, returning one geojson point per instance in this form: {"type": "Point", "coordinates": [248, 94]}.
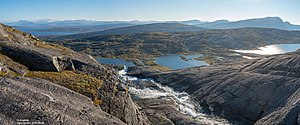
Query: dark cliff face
{"type": "Point", "coordinates": [30, 70]}
{"type": "Point", "coordinates": [261, 91]}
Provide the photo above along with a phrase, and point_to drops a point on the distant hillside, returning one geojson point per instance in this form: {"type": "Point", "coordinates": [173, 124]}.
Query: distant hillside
{"type": "Point", "coordinates": [49, 27]}
{"type": "Point", "coordinates": [72, 29]}
{"type": "Point", "coordinates": [263, 91]}
{"type": "Point", "coordinates": [155, 27]}
{"type": "Point", "coordinates": [213, 43]}
{"type": "Point", "coordinates": [268, 22]}
{"type": "Point", "coordinates": [52, 23]}
{"type": "Point", "coordinates": [188, 22]}
{"type": "Point", "coordinates": [211, 24]}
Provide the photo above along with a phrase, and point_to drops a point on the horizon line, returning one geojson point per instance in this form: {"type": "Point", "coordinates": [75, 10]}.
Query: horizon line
{"type": "Point", "coordinates": [54, 20]}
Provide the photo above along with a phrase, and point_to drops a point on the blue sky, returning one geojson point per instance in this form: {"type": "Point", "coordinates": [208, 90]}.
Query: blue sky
{"type": "Point", "coordinates": [162, 10]}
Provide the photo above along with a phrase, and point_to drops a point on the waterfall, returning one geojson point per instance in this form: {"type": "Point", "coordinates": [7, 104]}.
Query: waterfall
{"type": "Point", "coordinates": [182, 99]}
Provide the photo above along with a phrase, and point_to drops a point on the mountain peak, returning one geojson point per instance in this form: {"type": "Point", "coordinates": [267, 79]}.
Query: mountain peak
{"type": "Point", "coordinates": [273, 19]}
{"type": "Point", "coordinates": [266, 22]}
{"type": "Point", "coordinates": [223, 21]}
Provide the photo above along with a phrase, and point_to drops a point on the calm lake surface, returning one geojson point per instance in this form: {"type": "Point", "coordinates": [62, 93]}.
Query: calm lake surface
{"type": "Point", "coordinates": [44, 33]}
{"type": "Point", "coordinates": [35, 32]}
{"type": "Point", "coordinates": [272, 49]}
{"type": "Point", "coordinates": [175, 62]}
{"type": "Point", "coordinates": [115, 61]}
{"type": "Point", "coordinates": [171, 61]}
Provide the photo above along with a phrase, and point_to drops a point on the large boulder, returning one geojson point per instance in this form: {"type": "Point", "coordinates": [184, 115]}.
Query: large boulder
{"type": "Point", "coordinates": [35, 54]}
{"type": "Point", "coordinates": [35, 60]}
{"type": "Point", "coordinates": [11, 66]}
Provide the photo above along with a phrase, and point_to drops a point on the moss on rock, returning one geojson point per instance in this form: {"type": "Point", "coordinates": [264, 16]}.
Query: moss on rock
{"type": "Point", "coordinates": [78, 82]}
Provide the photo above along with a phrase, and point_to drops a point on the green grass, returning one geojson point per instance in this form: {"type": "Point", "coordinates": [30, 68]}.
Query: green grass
{"type": "Point", "coordinates": [78, 82]}
{"type": "Point", "coordinates": [9, 63]}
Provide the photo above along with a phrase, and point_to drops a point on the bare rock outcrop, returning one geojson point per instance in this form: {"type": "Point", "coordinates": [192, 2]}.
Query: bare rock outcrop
{"type": "Point", "coordinates": [164, 112]}
{"type": "Point", "coordinates": [35, 54]}
{"type": "Point", "coordinates": [115, 102]}
{"type": "Point", "coordinates": [31, 54]}
{"type": "Point", "coordinates": [37, 100]}
{"type": "Point", "coordinates": [8, 64]}
{"type": "Point", "coordinates": [261, 91]}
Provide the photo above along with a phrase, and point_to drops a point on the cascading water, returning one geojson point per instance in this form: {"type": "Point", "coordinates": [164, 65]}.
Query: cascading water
{"type": "Point", "coordinates": [183, 102]}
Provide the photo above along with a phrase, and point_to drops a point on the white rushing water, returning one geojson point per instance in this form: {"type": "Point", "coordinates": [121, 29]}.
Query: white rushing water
{"type": "Point", "coordinates": [183, 102]}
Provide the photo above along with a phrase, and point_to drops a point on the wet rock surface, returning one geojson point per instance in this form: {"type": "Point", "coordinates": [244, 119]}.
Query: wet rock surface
{"type": "Point", "coordinates": [164, 112]}
{"type": "Point", "coordinates": [163, 105]}
{"type": "Point", "coordinates": [261, 91]}
{"type": "Point", "coordinates": [115, 102]}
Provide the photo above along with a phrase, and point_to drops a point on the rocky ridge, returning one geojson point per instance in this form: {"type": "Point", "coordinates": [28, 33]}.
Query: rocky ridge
{"type": "Point", "coordinates": [261, 91]}
{"type": "Point", "coordinates": [26, 61]}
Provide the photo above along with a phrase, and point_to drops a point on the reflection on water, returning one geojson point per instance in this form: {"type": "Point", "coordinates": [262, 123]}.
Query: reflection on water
{"type": "Point", "coordinates": [171, 61]}
{"type": "Point", "coordinates": [48, 33]}
{"type": "Point", "coordinates": [36, 32]}
{"type": "Point", "coordinates": [175, 61]}
{"type": "Point", "coordinates": [114, 61]}
{"type": "Point", "coordinates": [272, 49]}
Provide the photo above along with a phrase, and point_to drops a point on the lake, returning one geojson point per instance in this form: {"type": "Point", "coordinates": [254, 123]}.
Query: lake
{"type": "Point", "coordinates": [115, 61]}
{"type": "Point", "coordinates": [46, 33]}
{"type": "Point", "coordinates": [170, 61]}
{"type": "Point", "coordinates": [272, 49]}
{"type": "Point", "coordinates": [175, 62]}
{"type": "Point", "coordinates": [36, 32]}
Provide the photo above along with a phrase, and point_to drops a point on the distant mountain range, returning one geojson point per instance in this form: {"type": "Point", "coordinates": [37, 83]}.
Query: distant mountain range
{"type": "Point", "coordinates": [268, 22]}
{"type": "Point", "coordinates": [70, 26]}
{"type": "Point", "coordinates": [154, 27]}
{"type": "Point", "coordinates": [116, 27]}
{"type": "Point", "coordinates": [51, 23]}
{"type": "Point", "coordinates": [73, 23]}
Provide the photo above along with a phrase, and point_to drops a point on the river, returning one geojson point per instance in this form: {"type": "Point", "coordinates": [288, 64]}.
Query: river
{"type": "Point", "coordinates": [183, 101]}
